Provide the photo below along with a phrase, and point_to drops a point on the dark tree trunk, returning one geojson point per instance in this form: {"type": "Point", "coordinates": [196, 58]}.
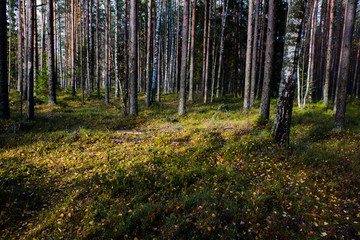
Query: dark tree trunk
{"type": "Point", "coordinates": [4, 95]}
{"type": "Point", "coordinates": [268, 68]}
{"type": "Point", "coordinates": [30, 59]}
{"type": "Point", "coordinates": [345, 64]}
{"type": "Point", "coordinates": [20, 49]}
{"type": "Point", "coordinates": [50, 53]}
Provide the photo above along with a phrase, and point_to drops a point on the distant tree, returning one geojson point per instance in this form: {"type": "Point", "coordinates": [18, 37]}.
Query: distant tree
{"type": "Point", "coordinates": [184, 49]}
{"type": "Point", "coordinates": [4, 95]}
{"type": "Point", "coordinates": [281, 128]}
{"type": "Point", "coordinates": [20, 49]}
{"type": "Point", "coordinates": [157, 52]}
{"type": "Point", "coordinates": [223, 22]}
{"type": "Point", "coordinates": [254, 57]}
{"type": "Point", "coordinates": [133, 64]}
{"type": "Point", "coordinates": [345, 64]}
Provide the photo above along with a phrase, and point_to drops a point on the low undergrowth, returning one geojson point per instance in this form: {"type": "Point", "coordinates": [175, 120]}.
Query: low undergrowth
{"type": "Point", "coordinates": [88, 172]}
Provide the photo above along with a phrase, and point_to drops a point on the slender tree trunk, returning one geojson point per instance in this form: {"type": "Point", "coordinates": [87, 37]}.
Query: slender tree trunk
{"type": "Point", "coordinates": [126, 56]}
{"type": "Point", "coordinates": [329, 55]}
{"type": "Point", "coordinates": [106, 57]}
{"type": "Point", "coordinates": [184, 49]}
{"type": "Point", "coordinates": [4, 95]}
{"type": "Point", "coordinates": [281, 128]}
{"type": "Point", "coordinates": [133, 64]}
{"type": "Point", "coordinates": [204, 47]}
{"type": "Point", "coordinates": [310, 72]}
{"type": "Point", "coordinates": [25, 34]}
{"type": "Point", "coordinates": [269, 62]}
{"type": "Point", "coordinates": [177, 49]}
{"type": "Point", "coordinates": [9, 48]}
{"type": "Point", "coordinates": [156, 55]}
{"type": "Point", "coordinates": [206, 80]}
{"type": "Point", "coordinates": [20, 49]}
{"type": "Point", "coordinates": [149, 55]}
{"type": "Point", "coordinates": [98, 78]}
{"type": "Point", "coordinates": [73, 48]}
{"type": "Point", "coordinates": [223, 22]}
{"type": "Point", "coordinates": [30, 59]}
{"type": "Point", "coordinates": [345, 64]}
{"type": "Point", "coordinates": [248, 57]}
{"type": "Point", "coordinates": [192, 49]}
{"type": "Point", "coordinates": [254, 55]}
{"type": "Point", "coordinates": [43, 33]}
{"type": "Point", "coordinates": [87, 42]}
{"type": "Point", "coordinates": [50, 54]}
{"type": "Point", "coordinates": [35, 42]}
{"type": "Point", "coordinates": [261, 51]}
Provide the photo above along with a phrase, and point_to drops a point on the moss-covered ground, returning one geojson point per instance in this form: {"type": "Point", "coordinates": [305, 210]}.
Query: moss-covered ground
{"type": "Point", "coordinates": [89, 172]}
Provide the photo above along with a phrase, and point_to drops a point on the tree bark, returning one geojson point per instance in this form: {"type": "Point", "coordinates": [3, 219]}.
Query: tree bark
{"type": "Point", "coordinates": [206, 78]}
{"type": "Point", "coordinates": [345, 64]}
{"type": "Point", "coordinates": [329, 54]}
{"type": "Point", "coordinates": [50, 53]}
{"type": "Point", "coordinates": [192, 49]}
{"type": "Point", "coordinates": [149, 55]}
{"type": "Point", "coordinates": [107, 48]}
{"type": "Point", "coordinates": [204, 47]}
{"type": "Point", "coordinates": [156, 54]}
{"type": "Point", "coordinates": [73, 48]}
{"type": "Point", "coordinates": [254, 55]}
{"type": "Point", "coordinates": [20, 49]}
{"type": "Point", "coordinates": [184, 49]}
{"type": "Point", "coordinates": [98, 78]}
{"type": "Point", "coordinates": [269, 62]}
{"type": "Point", "coordinates": [4, 95]}
{"type": "Point", "coordinates": [133, 64]}
{"type": "Point", "coordinates": [30, 59]}
{"type": "Point", "coordinates": [223, 22]}
{"type": "Point", "coordinates": [248, 56]}
{"type": "Point", "coordinates": [281, 128]}
{"type": "Point", "coordinates": [9, 47]}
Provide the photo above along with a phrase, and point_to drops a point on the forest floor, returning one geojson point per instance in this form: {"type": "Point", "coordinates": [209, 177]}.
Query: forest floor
{"type": "Point", "coordinates": [88, 172]}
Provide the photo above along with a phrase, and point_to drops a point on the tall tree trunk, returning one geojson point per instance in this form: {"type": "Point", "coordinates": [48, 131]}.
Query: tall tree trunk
{"type": "Point", "coordinates": [148, 55]}
{"type": "Point", "coordinates": [310, 72]}
{"type": "Point", "coordinates": [269, 62]}
{"type": "Point", "coordinates": [98, 78]}
{"type": "Point", "coordinates": [156, 55]}
{"type": "Point", "coordinates": [281, 128]}
{"type": "Point", "coordinates": [223, 22]}
{"type": "Point", "coordinates": [254, 55]}
{"type": "Point", "coordinates": [25, 34]}
{"type": "Point", "coordinates": [329, 54]}
{"type": "Point", "coordinates": [35, 42]}
{"type": "Point", "coordinates": [126, 56]}
{"type": "Point", "coordinates": [4, 95]}
{"type": "Point", "coordinates": [356, 70]}
{"type": "Point", "coordinates": [42, 39]}
{"type": "Point", "coordinates": [9, 48]}
{"type": "Point", "coordinates": [204, 46]}
{"type": "Point", "coordinates": [345, 64]}
{"type": "Point", "coordinates": [73, 48]}
{"type": "Point", "coordinates": [192, 49]}
{"type": "Point", "coordinates": [87, 42]}
{"type": "Point", "coordinates": [261, 51]}
{"type": "Point", "coordinates": [177, 49]}
{"type": "Point", "coordinates": [133, 64]}
{"type": "Point", "coordinates": [107, 48]}
{"type": "Point", "coordinates": [20, 49]}
{"type": "Point", "coordinates": [206, 80]}
{"type": "Point", "coordinates": [50, 52]}
{"type": "Point", "coordinates": [184, 49]}
{"type": "Point", "coordinates": [30, 59]}
{"type": "Point", "coordinates": [248, 57]}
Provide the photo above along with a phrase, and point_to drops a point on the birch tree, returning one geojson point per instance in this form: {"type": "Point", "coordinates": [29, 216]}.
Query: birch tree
{"type": "Point", "coordinates": [281, 128]}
